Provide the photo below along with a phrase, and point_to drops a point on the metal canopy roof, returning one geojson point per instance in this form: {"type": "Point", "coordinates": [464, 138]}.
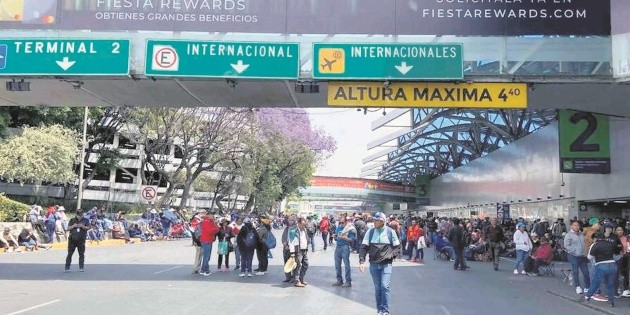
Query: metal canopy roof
{"type": "Point", "coordinates": [440, 140]}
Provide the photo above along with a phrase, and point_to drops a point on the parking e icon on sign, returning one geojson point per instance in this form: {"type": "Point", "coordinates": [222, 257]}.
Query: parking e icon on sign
{"type": "Point", "coordinates": [165, 58]}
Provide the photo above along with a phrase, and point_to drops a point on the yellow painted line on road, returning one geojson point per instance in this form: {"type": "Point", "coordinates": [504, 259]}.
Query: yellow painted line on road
{"type": "Point", "coordinates": [35, 307]}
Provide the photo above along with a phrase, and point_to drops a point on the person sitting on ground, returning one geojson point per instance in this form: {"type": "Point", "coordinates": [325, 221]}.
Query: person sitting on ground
{"type": "Point", "coordinates": [119, 234]}
{"type": "Point", "coordinates": [8, 241]}
{"type": "Point", "coordinates": [541, 257]}
{"type": "Point", "coordinates": [177, 229]}
{"type": "Point", "coordinates": [30, 241]}
{"type": "Point", "coordinates": [136, 232]}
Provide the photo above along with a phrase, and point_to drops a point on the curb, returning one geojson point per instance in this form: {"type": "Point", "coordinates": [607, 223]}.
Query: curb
{"type": "Point", "coordinates": [64, 245]}
{"type": "Point", "coordinates": [581, 302]}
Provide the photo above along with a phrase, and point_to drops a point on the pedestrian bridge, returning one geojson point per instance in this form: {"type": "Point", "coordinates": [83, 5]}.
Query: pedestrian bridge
{"type": "Point", "coordinates": [324, 188]}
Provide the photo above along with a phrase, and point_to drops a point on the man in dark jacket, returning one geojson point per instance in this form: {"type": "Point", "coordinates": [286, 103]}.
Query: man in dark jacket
{"type": "Point", "coordinates": [495, 237]}
{"type": "Point", "coordinates": [456, 238]}
{"type": "Point", "coordinates": [78, 227]}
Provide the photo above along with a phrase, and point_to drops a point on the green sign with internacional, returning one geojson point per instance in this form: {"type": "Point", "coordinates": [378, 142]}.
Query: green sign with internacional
{"type": "Point", "coordinates": [400, 61]}
{"type": "Point", "coordinates": [210, 59]}
{"type": "Point", "coordinates": [64, 57]}
{"type": "Point", "coordinates": [584, 142]}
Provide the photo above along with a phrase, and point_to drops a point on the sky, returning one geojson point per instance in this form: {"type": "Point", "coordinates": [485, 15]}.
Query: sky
{"type": "Point", "coordinates": [352, 131]}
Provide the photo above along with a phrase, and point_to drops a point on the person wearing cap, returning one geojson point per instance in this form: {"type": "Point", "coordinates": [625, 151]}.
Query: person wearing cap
{"type": "Point", "coordinates": [605, 268]}
{"type": "Point", "coordinates": [574, 245]}
{"type": "Point", "coordinates": [589, 232]}
{"type": "Point", "coordinates": [78, 227]}
{"type": "Point", "coordinates": [286, 253]}
{"type": "Point", "coordinates": [8, 241]}
{"type": "Point", "coordinates": [523, 246]}
{"type": "Point", "coordinates": [298, 249]}
{"type": "Point", "coordinates": [381, 243]}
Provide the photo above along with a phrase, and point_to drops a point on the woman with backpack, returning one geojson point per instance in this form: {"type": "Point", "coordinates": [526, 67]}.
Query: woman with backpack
{"type": "Point", "coordinates": [247, 241]}
{"type": "Point", "coordinates": [262, 250]}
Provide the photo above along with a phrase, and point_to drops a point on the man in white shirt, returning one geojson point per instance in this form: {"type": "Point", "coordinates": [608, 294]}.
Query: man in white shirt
{"type": "Point", "coordinates": [298, 247]}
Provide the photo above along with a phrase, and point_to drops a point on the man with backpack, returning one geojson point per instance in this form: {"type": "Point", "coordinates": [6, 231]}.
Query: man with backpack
{"type": "Point", "coordinates": [262, 249]}
{"type": "Point", "coordinates": [381, 243]}
{"type": "Point", "coordinates": [247, 240]}
{"type": "Point", "coordinates": [311, 228]}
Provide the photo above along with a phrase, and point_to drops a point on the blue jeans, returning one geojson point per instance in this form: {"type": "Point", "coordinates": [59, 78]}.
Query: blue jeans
{"type": "Point", "coordinates": [237, 256]}
{"type": "Point", "coordinates": [206, 250]}
{"type": "Point", "coordinates": [312, 240]}
{"type": "Point", "coordinates": [520, 258]}
{"type": "Point", "coordinates": [450, 250]}
{"type": "Point", "coordinates": [381, 276]}
{"type": "Point", "coordinates": [604, 273]}
{"type": "Point", "coordinates": [325, 238]}
{"type": "Point", "coordinates": [343, 252]}
{"type": "Point", "coordinates": [579, 263]}
{"type": "Point", "coordinates": [247, 255]}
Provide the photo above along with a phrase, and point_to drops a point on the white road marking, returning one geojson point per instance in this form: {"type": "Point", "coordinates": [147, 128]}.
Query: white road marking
{"type": "Point", "coordinates": [34, 307]}
{"type": "Point", "coordinates": [445, 310]}
{"type": "Point", "coordinates": [169, 269]}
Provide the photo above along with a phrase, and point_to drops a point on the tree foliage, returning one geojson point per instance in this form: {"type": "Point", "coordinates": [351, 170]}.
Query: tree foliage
{"type": "Point", "coordinates": [282, 153]}
{"type": "Point", "coordinates": [40, 154]}
{"type": "Point", "coordinates": [203, 138]}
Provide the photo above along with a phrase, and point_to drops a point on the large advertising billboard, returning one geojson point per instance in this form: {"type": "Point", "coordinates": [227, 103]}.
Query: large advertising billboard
{"type": "Point", "coordinates": [397, 17]}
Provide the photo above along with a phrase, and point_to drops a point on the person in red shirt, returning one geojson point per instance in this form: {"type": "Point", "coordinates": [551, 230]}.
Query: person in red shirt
{"type": "Point", "coordinates": [208, 232]}
{"type": "Point", "coordinates": [324, 224]}
{"type": "Point", "coordinates": [542, 256]}
{"type": "Point", "coordinates": [414, 233]}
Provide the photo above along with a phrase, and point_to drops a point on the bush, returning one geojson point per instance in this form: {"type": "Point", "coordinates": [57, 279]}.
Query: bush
{"type": "Point", "coordinates": [12, 211]}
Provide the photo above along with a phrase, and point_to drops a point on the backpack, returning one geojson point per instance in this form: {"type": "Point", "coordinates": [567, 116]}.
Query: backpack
{"type": "Point", "coordinates": [389, 236]}
{"type": "Point", "coordinates": [250, 238]}
{"type": "Point", "coordinates": [271, 240]}
{"type": "Point", "coordinates": [198, 231]}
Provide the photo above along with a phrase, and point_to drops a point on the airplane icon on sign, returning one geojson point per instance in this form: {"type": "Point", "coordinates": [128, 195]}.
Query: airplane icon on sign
{"type": "Point", "coordinates": [328, 63]}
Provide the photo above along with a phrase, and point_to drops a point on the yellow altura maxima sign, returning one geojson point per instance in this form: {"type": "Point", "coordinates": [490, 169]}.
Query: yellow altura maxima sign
{"type": "Point", "coordinates": [427, 94]}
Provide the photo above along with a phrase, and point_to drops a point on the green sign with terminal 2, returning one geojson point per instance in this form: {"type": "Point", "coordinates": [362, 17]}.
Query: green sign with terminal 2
{"type": "Point", "coordinates": [64, 57]}
{"type": "Point", "coordinates": [584, 142]}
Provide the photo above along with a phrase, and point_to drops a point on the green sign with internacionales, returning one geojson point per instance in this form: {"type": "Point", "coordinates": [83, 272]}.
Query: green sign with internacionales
{"type": "Point", "coordinates": [404, 61]}
{"type": "Point", "coordinates": [64, 56]}
{"type": "Point", "coordinates": [222, 59]}
{"type": "Point", "coordinates": [584, 142]}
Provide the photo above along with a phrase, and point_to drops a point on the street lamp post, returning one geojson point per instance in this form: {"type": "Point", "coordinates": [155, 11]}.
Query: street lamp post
{"type": "Point", "coordinates": [82, 167]}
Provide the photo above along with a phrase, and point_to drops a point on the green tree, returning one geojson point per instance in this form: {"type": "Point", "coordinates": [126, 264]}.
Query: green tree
{"type": "Point", "coordinates": [40, 154]}
{"type": "Point", "coordinates": [201, 137]}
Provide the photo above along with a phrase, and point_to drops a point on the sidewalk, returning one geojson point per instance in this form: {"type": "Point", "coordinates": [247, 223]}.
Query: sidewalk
{"type": "Point", "coordinates": [565, 291]}
{"type": "Point", "coordinates": [64, 245]}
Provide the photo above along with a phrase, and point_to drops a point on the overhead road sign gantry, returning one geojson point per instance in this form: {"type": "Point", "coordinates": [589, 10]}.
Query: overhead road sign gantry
{"type": "Point", "coordinates": [64, 57]}
{"type": "Point", "coordinates": [211, 59]}
{"type": "Point", "coordinates": [403, 61]}
{"type": "Point", "coordinates": [428, 94]}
